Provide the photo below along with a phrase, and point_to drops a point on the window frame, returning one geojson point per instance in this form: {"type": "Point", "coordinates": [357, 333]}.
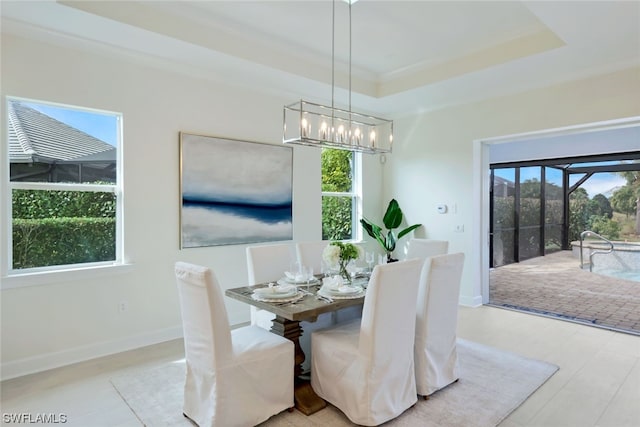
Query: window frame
{"type": "Point", "coordinates": [355, 194]}
{"type": "Point", "coordinates": [45, 274]}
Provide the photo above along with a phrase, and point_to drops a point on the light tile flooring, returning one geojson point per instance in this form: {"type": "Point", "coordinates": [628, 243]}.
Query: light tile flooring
{"type": "Point", "coordinates": [598, 383]}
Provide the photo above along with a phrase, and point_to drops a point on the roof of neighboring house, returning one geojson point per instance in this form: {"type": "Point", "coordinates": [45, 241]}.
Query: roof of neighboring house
{"type": "Point", "coordinates": [37, 137]}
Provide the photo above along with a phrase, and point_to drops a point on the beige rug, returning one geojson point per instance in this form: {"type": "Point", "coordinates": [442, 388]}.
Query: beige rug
{"type": "Point", "coordinates": [492, 384]}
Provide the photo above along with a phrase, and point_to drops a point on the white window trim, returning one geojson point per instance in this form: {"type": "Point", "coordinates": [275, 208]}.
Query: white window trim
{"type": "Point", "coordinates": [12, 278]}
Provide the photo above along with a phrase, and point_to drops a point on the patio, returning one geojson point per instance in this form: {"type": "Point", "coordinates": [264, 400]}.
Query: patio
{"type": "Point", "coordinates": [555, 286]}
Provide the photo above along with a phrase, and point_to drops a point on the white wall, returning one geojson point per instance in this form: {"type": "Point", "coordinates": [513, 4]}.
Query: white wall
{"type": "Point", "coordinates": [435, 154]}
{"type": "Point", "coordinates": [59, 323]}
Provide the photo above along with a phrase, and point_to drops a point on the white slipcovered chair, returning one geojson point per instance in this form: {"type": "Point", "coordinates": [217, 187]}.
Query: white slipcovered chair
{"type": "Point", "coordinates": [365, 367]}
{"type": "Point", "coordinates": [267, 263]}
{"type": "Point", "coordinates": [425, 248]}
{"type": "Point", "coordinates": [436, 356]}
{"type": "Point", "coordinates": [234, 378]}
{"type": "Point", "coordinates": [310, 253]}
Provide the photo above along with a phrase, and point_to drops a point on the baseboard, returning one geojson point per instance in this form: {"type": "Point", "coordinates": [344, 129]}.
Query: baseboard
{"type": "Point", "coordinates": [44, 362]}
{"type": "Point", "coordinates": [475, 301]}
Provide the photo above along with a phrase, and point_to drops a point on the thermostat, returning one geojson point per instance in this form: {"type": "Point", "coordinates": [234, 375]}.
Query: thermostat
{"type": "Point", "coordinates": [442, 209]}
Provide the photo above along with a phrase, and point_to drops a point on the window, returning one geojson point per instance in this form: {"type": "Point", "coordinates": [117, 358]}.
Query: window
{"type": "Point", "coordinates": [65, 206]}
{"type": "Point", "coordinates": [340, 194]}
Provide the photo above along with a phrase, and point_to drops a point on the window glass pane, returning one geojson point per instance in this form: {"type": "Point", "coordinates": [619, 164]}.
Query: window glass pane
{"type": "Point", "coordinates": [337, 214]}
{"type": "Point", "coordinates": [57, 144]}
{"type": "Point", "coordinates": [62, 227]}
{"type": "Point", "coordinates": [337, 170]}
{"type": "Point", "coordinates": [503, 216]}
{"type": "Point", "coordinates": [530, 227]}
{"type": "Point", "coordinates": [530, 196]}
{"type": "Point", "coordinates": [52, 144]}
{"type": "Point", "coordinates": [554, 207]}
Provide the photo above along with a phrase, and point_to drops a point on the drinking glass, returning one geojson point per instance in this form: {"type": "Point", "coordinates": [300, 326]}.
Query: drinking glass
{"type": "Point", "coordinates": [309, 273]}
{"type": "Point", "coordinates": [369, 258]}
{"type": "Point", "coordinates": [326, 269]}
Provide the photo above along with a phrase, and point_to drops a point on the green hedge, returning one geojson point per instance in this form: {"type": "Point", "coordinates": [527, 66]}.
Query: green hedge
{"type": "Point", "coordinates": [60, 241]}
{"type": "Point", "coordinates": [62, 204]}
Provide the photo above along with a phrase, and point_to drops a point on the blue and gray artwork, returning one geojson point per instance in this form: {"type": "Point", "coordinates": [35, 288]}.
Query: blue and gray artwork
{"type": "Point", "coordinates": [235, 192]}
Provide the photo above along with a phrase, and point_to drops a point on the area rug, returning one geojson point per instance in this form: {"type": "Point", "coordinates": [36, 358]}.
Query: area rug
{"type": "Point", "coordinates": [492, 384]}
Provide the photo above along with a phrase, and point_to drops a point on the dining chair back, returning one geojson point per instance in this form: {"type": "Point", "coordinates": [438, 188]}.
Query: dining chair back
{"type": "Point", "coordinates": [310, 254]}
{"type": "Point", "coordinates": [267, 263]}
{"type": "Point", "coordinates": [365, 367]}
{"type": "Point", "coordinates": [425, 248]}
{"type": "Point", "coordinates": [226, 369]}
{"type": "Point", "coordinates": [436, 357]}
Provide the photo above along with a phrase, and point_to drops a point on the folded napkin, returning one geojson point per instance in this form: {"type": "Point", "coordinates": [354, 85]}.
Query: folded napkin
{"type": "Point", "coordinates": [277, 289]}
{"type": "Point", "coordinates": [336, 284]}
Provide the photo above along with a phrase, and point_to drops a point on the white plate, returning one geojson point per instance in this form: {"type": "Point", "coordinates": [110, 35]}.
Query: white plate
{"type": "Point", "coordinates": [285, 281]}
{"type": "Point", "coordinates": [295, 297]}
{"type": "Point", "coordinates": [342, 295]}
{"type": "Point", "coordinates": [274, 292]}
{"type": "Point", "coordinates": [344, 290]}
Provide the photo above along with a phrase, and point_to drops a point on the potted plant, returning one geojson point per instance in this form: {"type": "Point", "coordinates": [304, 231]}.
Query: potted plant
{"type": "Point", "coordinates": [392, 220]}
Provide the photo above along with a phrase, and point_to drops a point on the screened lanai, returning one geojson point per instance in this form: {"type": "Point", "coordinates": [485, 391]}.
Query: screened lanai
{"type": "Point", "coordinates": [538, 209]}
{"type": "Point", "coordinates": [530, 203]}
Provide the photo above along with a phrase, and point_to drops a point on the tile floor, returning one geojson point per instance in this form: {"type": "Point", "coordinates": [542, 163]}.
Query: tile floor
{"type": "Point", "coordinates": [598, 383]}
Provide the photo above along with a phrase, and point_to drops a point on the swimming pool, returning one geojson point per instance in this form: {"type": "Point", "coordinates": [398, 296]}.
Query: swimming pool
{"type": "Point", "coordinates": [620, 274]}
{"type": "Point", "coordinates": [623, 262]}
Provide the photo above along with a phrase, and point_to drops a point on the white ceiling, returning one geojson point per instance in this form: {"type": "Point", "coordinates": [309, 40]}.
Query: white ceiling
{"type": "Point", "coordinates": [407, 56]}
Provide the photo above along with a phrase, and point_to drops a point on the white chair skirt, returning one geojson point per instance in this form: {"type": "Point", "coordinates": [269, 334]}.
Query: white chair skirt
{"type": "Point", "coordinates": [261, 361]}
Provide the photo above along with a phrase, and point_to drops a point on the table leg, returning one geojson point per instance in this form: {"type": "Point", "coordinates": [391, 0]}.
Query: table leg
{"type": "Point", "coordinates": [306, 400]}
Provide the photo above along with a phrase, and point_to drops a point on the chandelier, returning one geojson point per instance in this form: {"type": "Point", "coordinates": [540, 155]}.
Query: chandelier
{"type": "Point", "coordinates": [311, 124]}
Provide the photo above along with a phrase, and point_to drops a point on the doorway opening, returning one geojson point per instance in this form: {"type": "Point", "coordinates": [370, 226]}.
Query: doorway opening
{"type": "Point", "coordinates": [528, 212]}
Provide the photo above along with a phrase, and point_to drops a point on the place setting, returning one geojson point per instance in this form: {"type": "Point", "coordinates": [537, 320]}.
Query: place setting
{"type": "Point", "coordinates": [336, 287]}
{"type": "Point", "coordinates": [278, 293]}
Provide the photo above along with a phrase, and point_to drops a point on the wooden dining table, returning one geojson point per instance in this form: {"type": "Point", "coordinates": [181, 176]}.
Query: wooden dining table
{"type": "Point", "coordinates": [287, 324]}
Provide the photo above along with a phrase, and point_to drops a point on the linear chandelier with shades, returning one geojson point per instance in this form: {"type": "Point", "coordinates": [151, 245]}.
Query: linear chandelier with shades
{"type": "Point", "coordinates": [311, 124]}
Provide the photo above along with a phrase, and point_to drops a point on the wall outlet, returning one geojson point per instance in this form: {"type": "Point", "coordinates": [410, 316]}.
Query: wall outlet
{"type": "Point", "coordinates": [123, 306]}
{"type": "Point", "coordinates": [459, 228]}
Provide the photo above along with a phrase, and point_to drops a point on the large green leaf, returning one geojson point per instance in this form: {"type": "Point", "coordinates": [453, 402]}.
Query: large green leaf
{"type": "Point", "coordinates": [393, 216]}
{"type": "Point", "coordinates": [408, 230]}
{"type": "Point", "coordinates": [374, 231]}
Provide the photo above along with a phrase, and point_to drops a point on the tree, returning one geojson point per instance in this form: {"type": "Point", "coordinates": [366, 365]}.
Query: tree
{"type": "Point", "coordinates": [605, 227]}
{"type": "Point", "coordinates": [600, 206]}
{"type": "Point", "coordinates": [578, 213]}
{"type": "Point", "coordinates": [336, 170]}
{"type": "Point", "coordinates": [337, 210]}
{"type": "Point", "coordinates": [624, 200]}
{"type": "Point", "coordinates": [633, 181]}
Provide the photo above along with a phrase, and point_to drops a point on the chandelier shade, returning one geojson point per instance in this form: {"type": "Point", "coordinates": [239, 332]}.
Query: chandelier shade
{"type": "Point", "coordinates": [317, 125]}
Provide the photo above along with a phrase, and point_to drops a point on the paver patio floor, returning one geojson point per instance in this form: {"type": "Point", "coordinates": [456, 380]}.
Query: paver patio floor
{"type": "Point", "coordinates": [554, 285]}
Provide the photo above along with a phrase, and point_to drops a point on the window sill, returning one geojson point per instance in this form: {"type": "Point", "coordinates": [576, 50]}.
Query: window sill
{"type": "Point", "coordinates": [21, 280]}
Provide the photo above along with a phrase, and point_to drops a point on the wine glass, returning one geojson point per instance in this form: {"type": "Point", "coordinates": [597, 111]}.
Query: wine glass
{"type": "Point", "coordinates": [369, 258]}
{"type": "Point", "coordinates": [296, 269]}
{"type": "Point", "coordinates": [309, 273]}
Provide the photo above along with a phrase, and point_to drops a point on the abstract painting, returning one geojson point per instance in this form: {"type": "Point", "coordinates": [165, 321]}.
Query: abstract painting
{"type": "Point", "coordinates": [234, 192]}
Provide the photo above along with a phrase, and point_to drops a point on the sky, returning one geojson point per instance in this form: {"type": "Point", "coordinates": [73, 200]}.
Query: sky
{"type": "Point", "coordinates": [99, 125]}
{"type": "Point", "coordinates": [599, 183]}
